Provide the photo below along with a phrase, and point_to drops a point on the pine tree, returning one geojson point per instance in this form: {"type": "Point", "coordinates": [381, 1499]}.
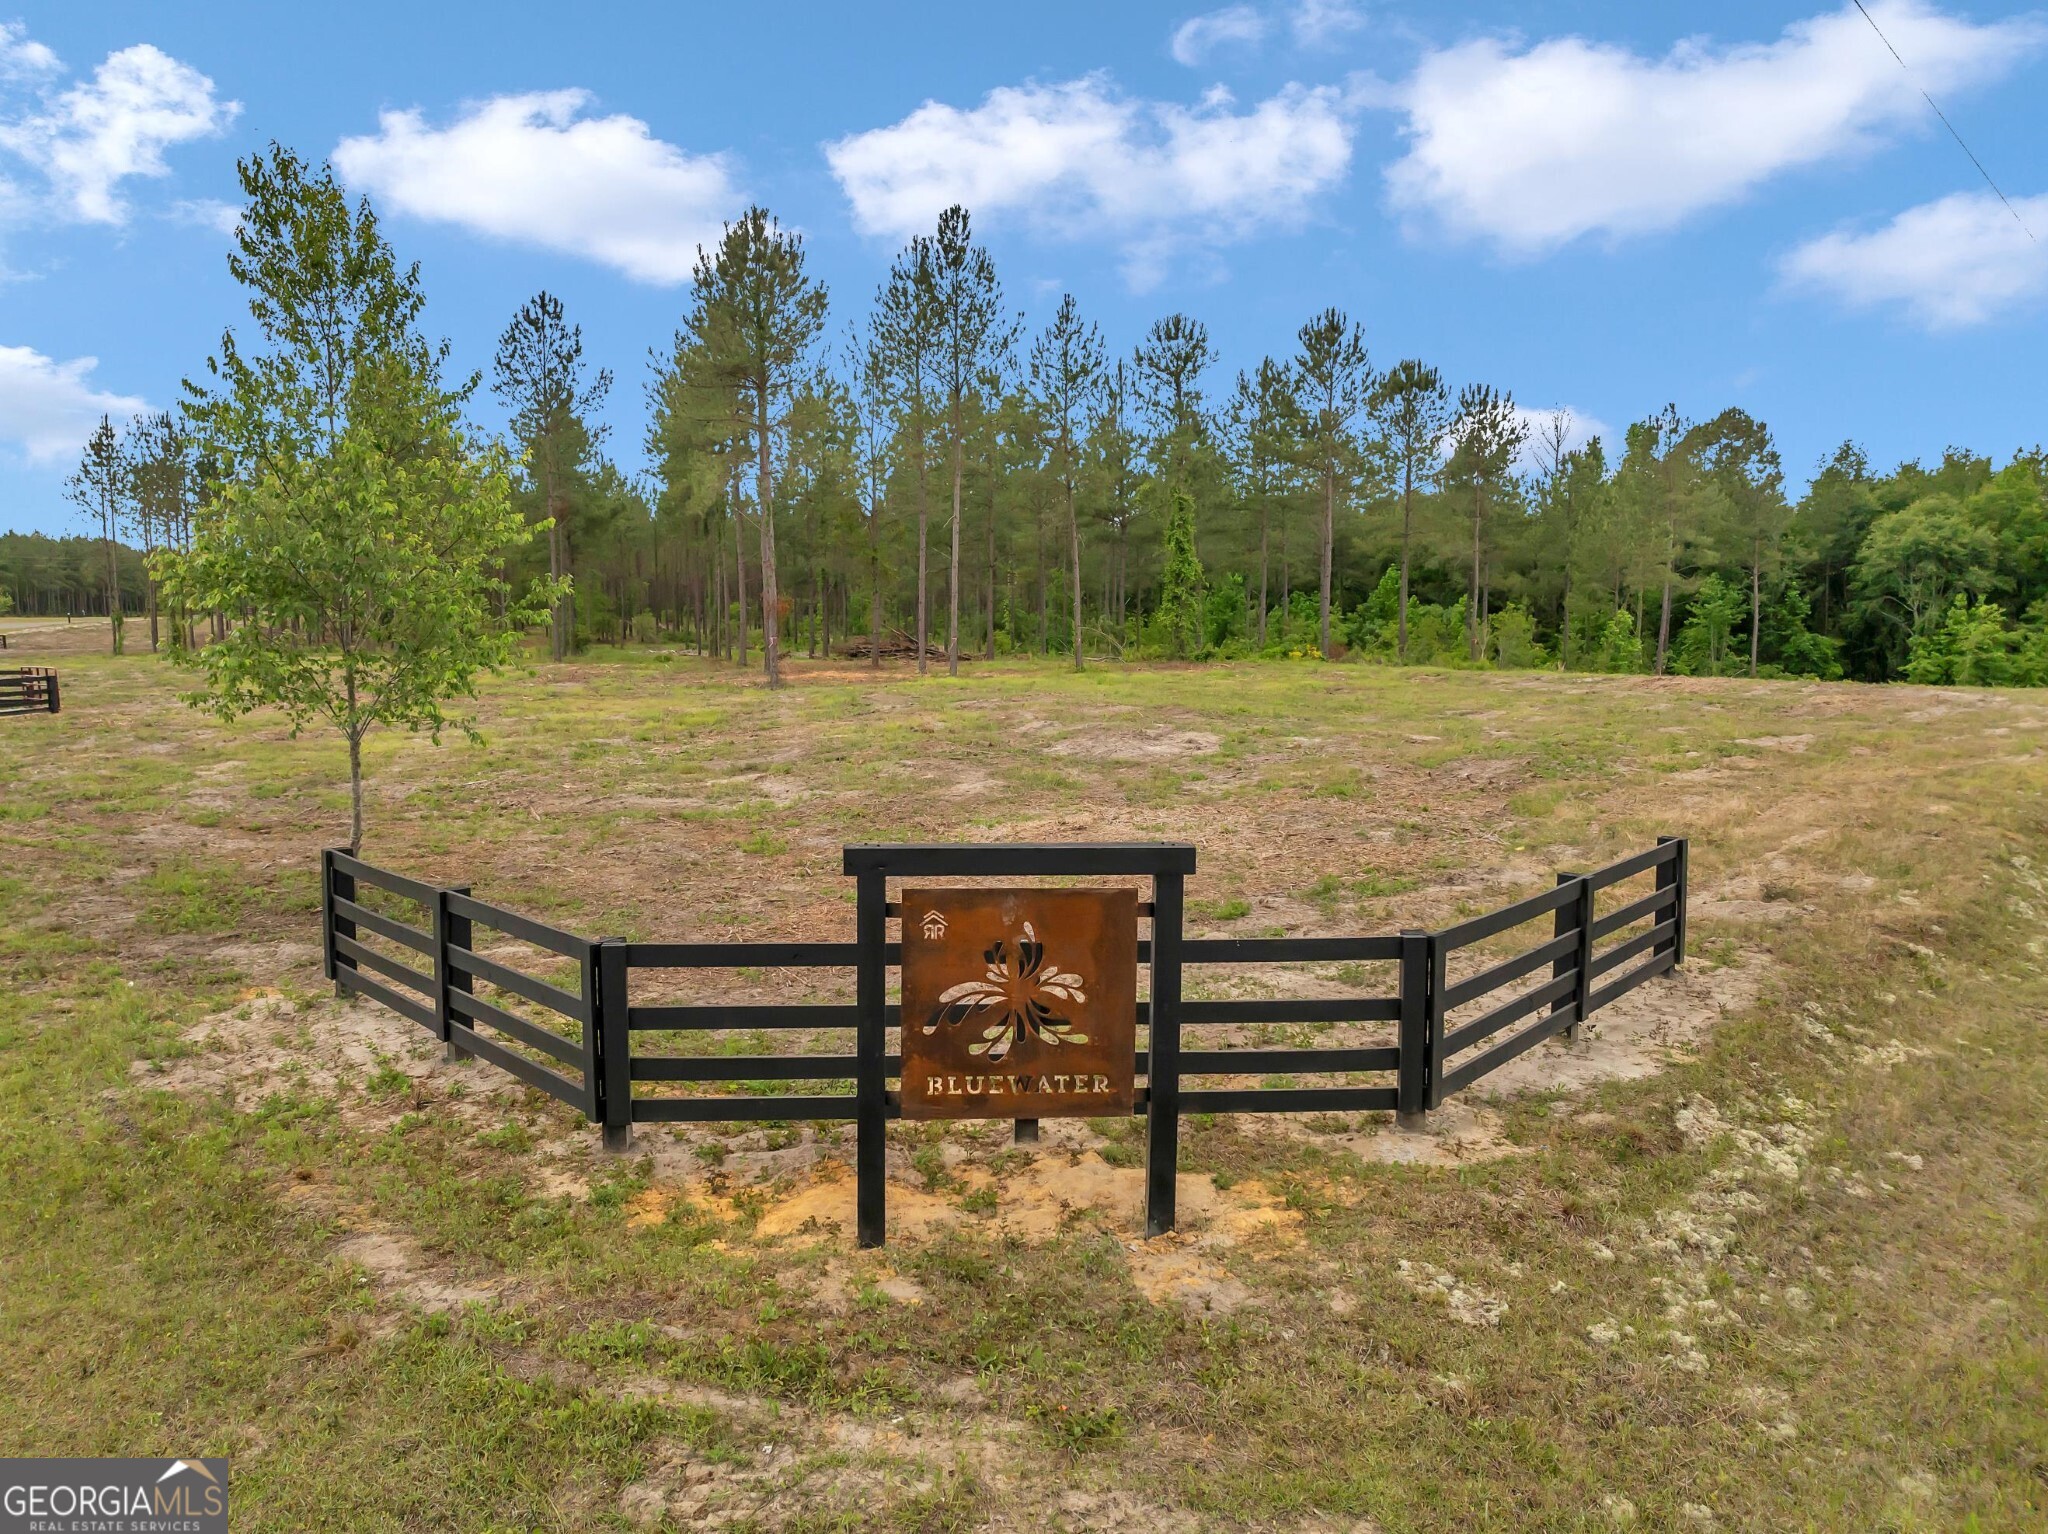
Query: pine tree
{"type": "Point", "coordinates": [1335, 386]}
{"type": "Point", "coordinates": [761, 316]}
{"type": "Point", "coordinates": [99, 489]}
{"type": "Point", "coordinates": [1414, 411]}
{"type": "Point", "coordinates": [1066, 374]}
{"type": "Point", "coordinates": [1489, 432]}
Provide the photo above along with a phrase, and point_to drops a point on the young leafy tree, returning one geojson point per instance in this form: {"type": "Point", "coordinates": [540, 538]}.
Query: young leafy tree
{"type": "Point", "coordinates": [905, 335]}
{"type": "Point", "coordinates": [539, 375]}
{"type": "Point", "coordinates": [1414, 410]}
{"type": "Point", "coordinates": [1067, 375]}
{"type": "Point", "coordinates": [1489, 432]}
{"type": "Point", "coordinates": [1335, 386]}
{"type": "Point", "coordinates": [100, 490]}
{"type": "Point", "coordinates": [357, 529]}
{"type": "Point", "coordinates": [973, 335]}
{"type": "Point", "coordinates": [760, 316]}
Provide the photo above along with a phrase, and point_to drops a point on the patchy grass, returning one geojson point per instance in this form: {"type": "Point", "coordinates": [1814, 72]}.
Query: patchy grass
{"type": "Point", "coordinates": [1795, 1279]}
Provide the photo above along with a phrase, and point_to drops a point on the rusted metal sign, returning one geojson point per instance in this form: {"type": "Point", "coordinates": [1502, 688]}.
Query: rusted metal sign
{"type": "Point", "coordinates": [1019, 1003]}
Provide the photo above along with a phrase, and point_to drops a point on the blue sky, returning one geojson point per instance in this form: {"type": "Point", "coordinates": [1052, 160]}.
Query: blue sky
{"type": "Point", "coordinates": [1596, 205]}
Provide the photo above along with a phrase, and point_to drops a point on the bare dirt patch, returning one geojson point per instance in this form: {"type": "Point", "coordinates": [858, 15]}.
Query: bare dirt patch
{"type": "Point", "coordinates": [1653, 1026]}
{"type": "Point", "coordinates": [1160, 743]}
{"type": "Point", "coordinates": [397, 1268]}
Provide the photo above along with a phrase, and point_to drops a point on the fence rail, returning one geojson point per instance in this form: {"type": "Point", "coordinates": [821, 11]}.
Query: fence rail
{"type": "Point", "coordinates": [29, 690]}
{"type": "Point", "coordinates": [1458, 1013]}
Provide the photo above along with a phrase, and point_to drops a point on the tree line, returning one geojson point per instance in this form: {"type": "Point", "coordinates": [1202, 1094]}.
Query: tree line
{"type": "Point", "coordinates": [933, 479]}
{"type": "Point", "coordinates": [939, 481]}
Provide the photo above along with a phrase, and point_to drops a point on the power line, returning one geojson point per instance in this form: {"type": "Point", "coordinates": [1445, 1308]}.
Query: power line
{"type": "Point", "coordinates": [2015, 212]}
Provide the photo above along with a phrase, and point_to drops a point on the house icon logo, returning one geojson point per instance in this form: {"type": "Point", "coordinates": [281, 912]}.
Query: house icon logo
{"type": "Point", "coordinates": [934, 926]}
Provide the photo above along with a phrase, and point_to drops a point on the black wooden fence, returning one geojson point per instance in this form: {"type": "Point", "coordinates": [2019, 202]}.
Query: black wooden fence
{"type": "Point", "coordinates": [1454, 1013]}
{"type": "Point", "coordinates": [28, 690]}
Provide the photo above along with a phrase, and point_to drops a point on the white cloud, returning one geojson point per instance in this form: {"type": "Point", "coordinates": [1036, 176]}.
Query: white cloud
{"type": "Point", "coordinates": [1081, 160]}
{"type": "Point", "coordinates": [1530, 148]}
{"type": "Point", "coordinates": [1194, 38]}
{"type": "Point", "coordinates": [207, 213]}
{"type": "Point", "coordinates": [21, 56]}
{"type": "Point", "coordinates": [89, 139]}
{"type": "Point", "coordinates": [1320, 22]}
{"type": "Point", "coordinates": [1954, 262]}
{"type": "Point", "coordinates": [49, 408]}
{"type": "Point", "coordinates": [532, 169]}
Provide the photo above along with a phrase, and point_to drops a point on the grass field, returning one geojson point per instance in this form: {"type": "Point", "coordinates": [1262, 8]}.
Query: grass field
{"type": "Point", "coordinates": [1767, 1252]}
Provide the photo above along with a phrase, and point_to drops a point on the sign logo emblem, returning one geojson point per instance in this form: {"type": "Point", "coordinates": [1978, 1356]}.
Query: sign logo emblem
{"type": "Point", "coordinates": [1022, 993]}
{"type": "Point", "coordinates": [1019, 1003]}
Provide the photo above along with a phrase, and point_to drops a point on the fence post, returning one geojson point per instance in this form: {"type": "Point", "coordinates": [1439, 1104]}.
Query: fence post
{"type": "Point", "coordinates": [1412, 1084]}
{"type": "Point", "coordinates": [871, 1124]}
{"type": "Point", "coordinates": [450, 931]}
{"type": "Point", "coordinates": [1433, 1059]}
{"type": "Point", "coordinates": [610, 1064]}
{"type": "Point", "coordinates": [1582, 992]}
{"type": "Point", "coordinates": [1671, 875]}
{"type": "Point", "coordinates": [336, 885]}
{"type": "Point", "coordinates": [1562, 920]}
{"type": "Point", "coordinates": [1162, 1068]}
{"type": "Point", "coordinates": [55, 706]}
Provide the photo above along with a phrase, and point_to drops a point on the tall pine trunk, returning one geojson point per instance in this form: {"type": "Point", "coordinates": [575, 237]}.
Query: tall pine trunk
{"type": "Point", "coordinates": [113, 576]}
{"type": "Point", "coordinates": [1329, 541]}
{"type": "Point", "coordinates": [1756, 605]}
{"type": "Point", "coordinates": [1074, 537]}
{"type": "Point", "coordinates": [561, 617]}
{"type": "Point", "coordinates": [1407, 529]}
{"type": "Point", "coordinates": [991, 559]}
{"type": "Point", "coordinates": [771, 604]}
{"type": "Point", "coordinates": [874, 588]}
{"type": "Point", "coordinates": [953, 576]}
{"type": "Point", "coordinates": [1472, 601]}
{"type": "Point", "coordinates": [1044, 596]}
{"type": "Point", "coordinates": [1265, 515]}
{"type": "Point", "coordinates": [923, 542]}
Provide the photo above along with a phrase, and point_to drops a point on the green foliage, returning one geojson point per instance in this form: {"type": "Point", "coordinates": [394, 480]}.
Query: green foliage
{"type": "Point", "coordinates": [1512, 638]}
{"type": "Point", "coordinates": [357, 531]}
{"type": "Point", "coordinates": [1373, 626]}
{"type": "Point", "coordinates": [1791, 648]}
{"type": "Point", "coordinates": [1913, 560]}
{"type": "Point", "coordinates": [1181, 582]}
{"type": "Point", "coordinates": [1971, 646]}
{"type": "Point", "coordinates": [1223, 615]}
{"type": "Point", "coordinates": [1621, 648]}
{"type": "Point", "coordinates": [1436, 635]}
{"type": "Point", "coordinates": [1704, 645]}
